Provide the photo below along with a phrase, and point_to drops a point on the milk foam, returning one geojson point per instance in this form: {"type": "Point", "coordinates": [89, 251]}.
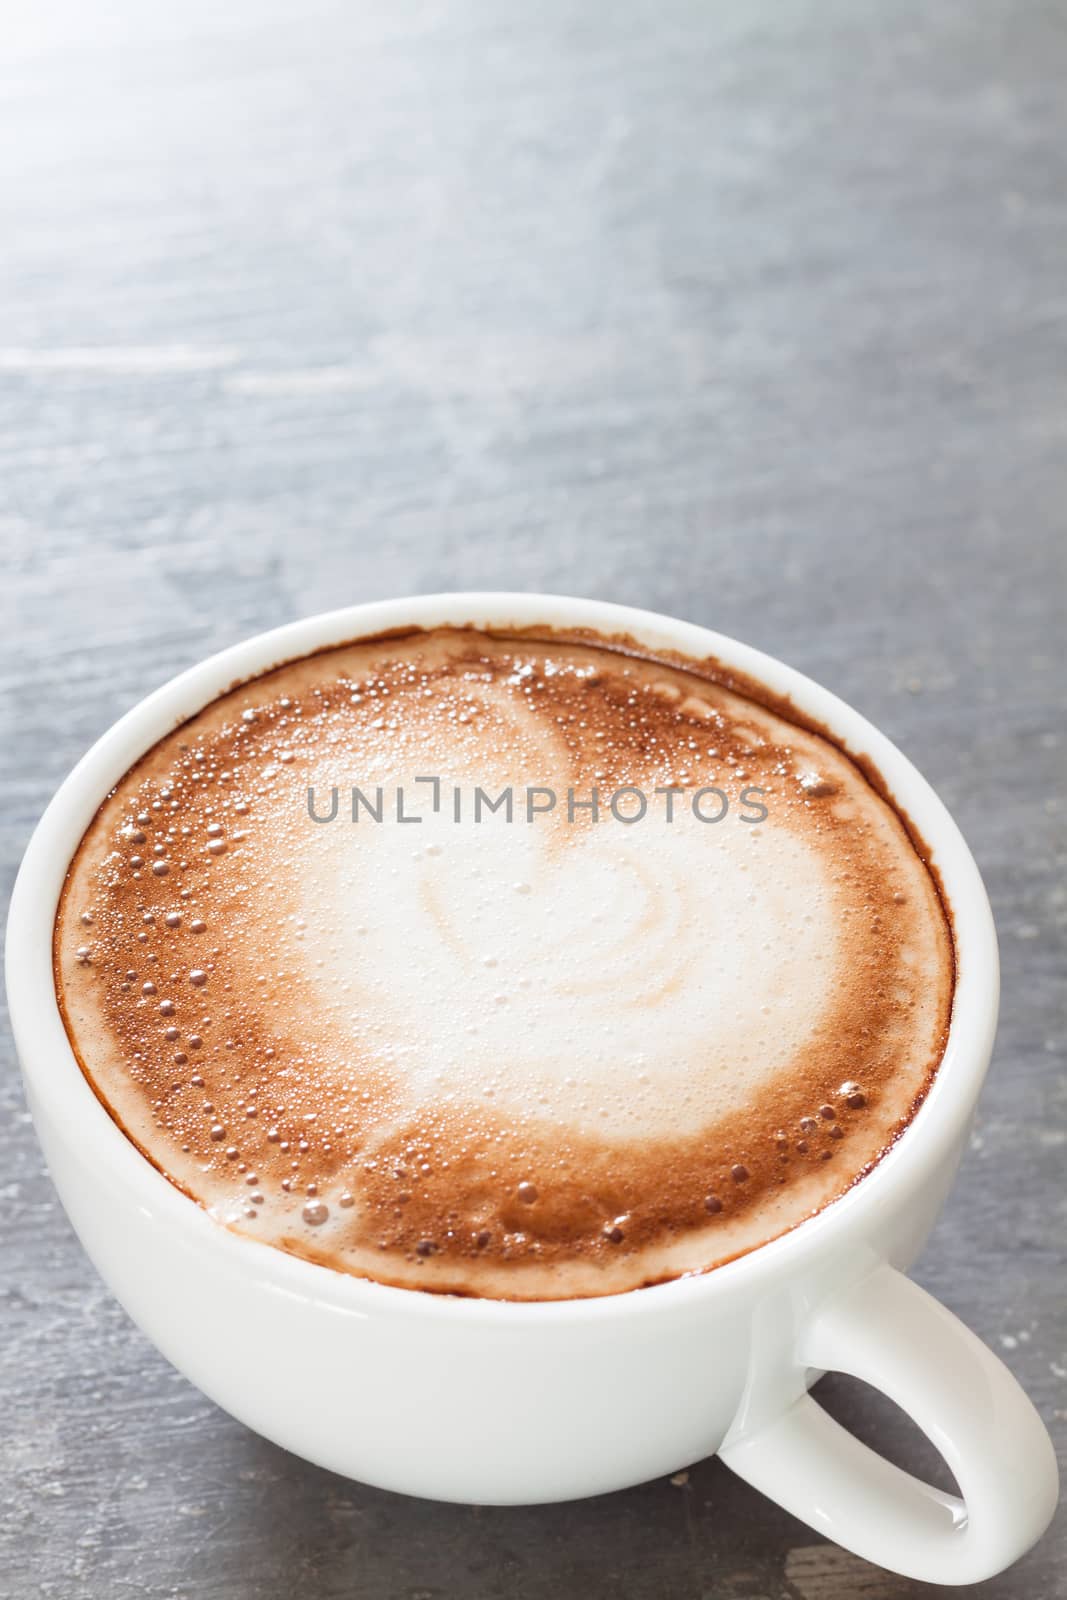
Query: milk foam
{"type": "Point", "coordinates": [518, 1057]}
{"type": "Point", "coordinates": [630, 981]}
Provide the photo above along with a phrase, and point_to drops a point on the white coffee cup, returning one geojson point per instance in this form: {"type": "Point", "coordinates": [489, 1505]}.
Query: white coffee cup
{"type": "Point", "coordinates": [502, 1403]}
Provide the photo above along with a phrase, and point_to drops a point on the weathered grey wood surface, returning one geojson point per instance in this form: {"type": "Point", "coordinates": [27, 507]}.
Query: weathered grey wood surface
{"type": "Point", "coordinates": [752, 313]}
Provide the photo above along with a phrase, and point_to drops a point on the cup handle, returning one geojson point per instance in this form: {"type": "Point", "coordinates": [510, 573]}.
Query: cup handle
{"type": "Point", "coordinates": [890, 1333]}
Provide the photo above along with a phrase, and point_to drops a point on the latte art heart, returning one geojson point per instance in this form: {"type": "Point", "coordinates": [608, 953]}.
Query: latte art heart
{"type": "Point", "coordinates": [545, 968]}
{"type": "Point", "coordinates": [496, 1051]}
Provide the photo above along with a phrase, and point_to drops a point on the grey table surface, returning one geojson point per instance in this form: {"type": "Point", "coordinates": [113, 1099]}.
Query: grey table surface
{"type": "Point", "coordinates": [756, 314]}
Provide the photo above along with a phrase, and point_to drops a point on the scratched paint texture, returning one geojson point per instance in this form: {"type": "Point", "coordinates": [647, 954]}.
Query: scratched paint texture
{"type": "Point", "coordinates": [752, 313]}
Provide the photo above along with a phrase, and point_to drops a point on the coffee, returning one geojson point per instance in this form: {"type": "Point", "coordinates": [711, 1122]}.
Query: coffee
{"type": "Point", "coordinates": [506, 965]}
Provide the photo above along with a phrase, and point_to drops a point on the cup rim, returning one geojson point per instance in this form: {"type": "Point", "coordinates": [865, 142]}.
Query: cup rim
{"type": "Point", "coordinates": [58, 1086]}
